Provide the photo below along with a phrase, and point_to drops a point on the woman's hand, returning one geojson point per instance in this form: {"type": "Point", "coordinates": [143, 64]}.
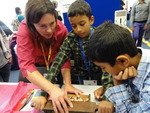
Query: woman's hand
{"type": "Point", "coordinates": [71, 89]}
{"type": "Point", "coordinates": [99, 93]}
{"type": "Point", "coordinates": [60, 100]}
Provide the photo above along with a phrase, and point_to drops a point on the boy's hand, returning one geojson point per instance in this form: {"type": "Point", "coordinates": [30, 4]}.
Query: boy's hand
{"type": "Point", "coordinates": [60, 100]}
{"type": "Point", "coordinates": [39, 102]}
{"type": "Point", "coordinates": [106, 107]}
{"type": "Point", "coordinates": [128, 73]}
{"type": "Point", "coordinates": [71, 89]}
{"type": "Point", "coordinates": [99, 93]}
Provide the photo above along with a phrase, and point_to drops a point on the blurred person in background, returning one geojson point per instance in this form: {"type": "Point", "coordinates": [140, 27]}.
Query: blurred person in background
{"type": "Point", "coordinates": [5, 56]}
{"type": "Point", "coordinates": [139, 20]}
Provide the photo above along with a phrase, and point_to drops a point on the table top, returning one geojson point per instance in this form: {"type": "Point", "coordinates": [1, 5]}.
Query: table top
{"type": "Point", "coordinates": [87, 89]}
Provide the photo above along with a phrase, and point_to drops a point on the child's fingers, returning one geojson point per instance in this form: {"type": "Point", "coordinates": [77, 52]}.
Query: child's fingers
{"type": "Point", "coordinates": [95, 94]}
{"type": "Point", "coordinates": [36, 106]}
{"type": "Point", "coordinates": [99, 93]}
{"type": "Point", "coordinates": [38, 103]}
{"type": "Point", "coordinates": [32, 104]}
{"type": "Point", "coordinates": [99, 97]}
{"type": "Point", "coordinates": [134, 71]}
{"type": "Point", "coordinates": [42, 107]}
{"type": "Point", "coordinates": [119, 76]}
{"type": "Point", "coordinates": [125, 74]}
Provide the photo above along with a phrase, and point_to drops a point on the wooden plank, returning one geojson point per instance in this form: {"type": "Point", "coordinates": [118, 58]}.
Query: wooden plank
{"type": "Point", "coordinates": [79, 107]}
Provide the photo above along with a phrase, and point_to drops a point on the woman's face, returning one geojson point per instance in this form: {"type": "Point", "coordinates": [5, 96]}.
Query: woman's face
{"type": "Point", "coordinates": [46, 26]}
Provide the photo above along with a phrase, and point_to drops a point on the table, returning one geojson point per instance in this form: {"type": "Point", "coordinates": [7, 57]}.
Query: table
{"type": "Point", "coordinates": [87, 89]}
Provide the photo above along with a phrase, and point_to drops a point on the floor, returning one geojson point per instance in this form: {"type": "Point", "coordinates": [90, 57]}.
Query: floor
{"type": "Point", "coordinates": [14, 74]}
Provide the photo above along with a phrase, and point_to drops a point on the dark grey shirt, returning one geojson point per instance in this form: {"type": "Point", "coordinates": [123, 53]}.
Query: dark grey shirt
{"type": "Point", "coordinates": [3, 60]}
{"type": "Point", "coordinates": [140, 12]}
{"type": "Point", "coordinates": [4, 49]}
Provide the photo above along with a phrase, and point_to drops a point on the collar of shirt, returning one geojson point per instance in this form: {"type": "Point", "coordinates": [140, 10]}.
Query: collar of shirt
{"type": "Point", "coordinates": [75, 36]}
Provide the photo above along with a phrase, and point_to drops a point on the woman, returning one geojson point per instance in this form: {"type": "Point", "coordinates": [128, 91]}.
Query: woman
{"type": "Point", "coordinates": [39, 39]}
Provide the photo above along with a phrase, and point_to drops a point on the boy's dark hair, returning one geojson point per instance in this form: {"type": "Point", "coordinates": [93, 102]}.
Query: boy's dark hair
{"type": "Point", "coordinates": [17, 10]}
{"type": "Point", "coordinates": [109, 41]}
{"type": "Point", "coordinates": [79, 7]}
{"type": "Point", "coordinates": [35, 9]}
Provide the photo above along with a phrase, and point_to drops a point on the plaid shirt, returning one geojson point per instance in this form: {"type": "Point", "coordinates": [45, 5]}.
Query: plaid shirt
{"type": "Point", "coordinates": [71, 48]}
{"type": "Point", "coordinates": [121, 97]}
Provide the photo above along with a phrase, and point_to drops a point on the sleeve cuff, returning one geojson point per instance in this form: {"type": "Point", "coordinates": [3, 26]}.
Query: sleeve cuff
{"type": "Point", "coordinates": [43, 93]}
{"type": "Point", "coordinates": [67, 64]}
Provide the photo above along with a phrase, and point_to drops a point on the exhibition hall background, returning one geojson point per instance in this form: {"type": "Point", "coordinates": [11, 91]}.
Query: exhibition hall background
{"type": "Point", "coordinates": [102, 10]}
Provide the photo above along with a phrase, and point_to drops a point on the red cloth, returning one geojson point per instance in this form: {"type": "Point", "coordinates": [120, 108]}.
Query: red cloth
{"type": "Point", "coordinates": [29, 50]}
{"type": "Point", "coordinates": [11, 94]}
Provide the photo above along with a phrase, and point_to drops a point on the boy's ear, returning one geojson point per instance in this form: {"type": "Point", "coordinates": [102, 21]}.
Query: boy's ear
{"type": "Point", "coordinates": [92, 20]}
{"type": "Point", "coordinates": [123, 60]}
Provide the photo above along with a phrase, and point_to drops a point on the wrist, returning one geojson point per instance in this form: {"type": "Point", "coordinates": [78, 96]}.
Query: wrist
{"type": "Point", "coordinates": [49, 91]}
{"type": "Point", "coordinates": [67, 82]}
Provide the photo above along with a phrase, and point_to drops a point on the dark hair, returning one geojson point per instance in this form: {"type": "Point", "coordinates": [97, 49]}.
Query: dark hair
{"type": "Point", "coordinates": [17, 10]}
{"type": "Point", "coordinates": [35, 9]}
{"type": "Point", "coordinates": [79, 7]}
{"type": "Point", "coordinates": [109, 41]}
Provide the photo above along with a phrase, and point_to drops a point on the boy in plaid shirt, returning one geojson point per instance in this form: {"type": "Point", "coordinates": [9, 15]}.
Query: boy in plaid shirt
{"type": "Point", "coordinates": [112, 48]}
